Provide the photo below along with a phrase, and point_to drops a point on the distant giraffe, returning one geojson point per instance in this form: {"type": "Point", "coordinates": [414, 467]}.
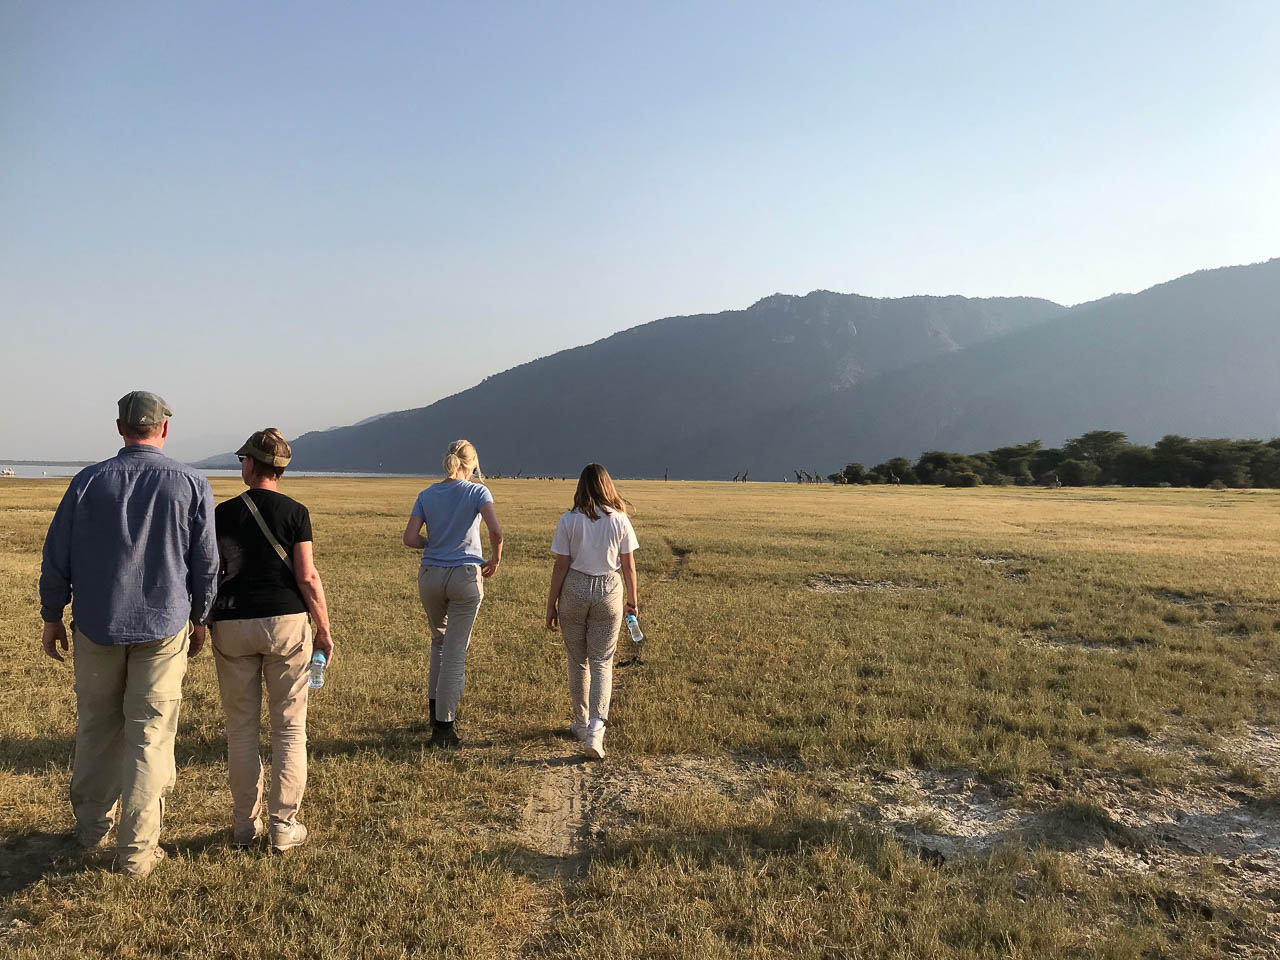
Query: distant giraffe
{"type": "Point", "coordinates": [745, 474]}
{"type": "Point", "coordinates": [735, 478]}
{"type": "Point", "coordinates": [893, 478]}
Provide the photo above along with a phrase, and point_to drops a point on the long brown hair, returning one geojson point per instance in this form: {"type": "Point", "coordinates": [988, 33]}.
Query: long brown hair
{"type": "Point", "coordinates": [596, 491]}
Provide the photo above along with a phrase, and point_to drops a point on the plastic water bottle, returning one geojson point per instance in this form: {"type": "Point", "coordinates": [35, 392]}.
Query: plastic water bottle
{"type": "Point", "coordinates": [318, 662]}
{"type": "Point", "coordinates": [633, 627]}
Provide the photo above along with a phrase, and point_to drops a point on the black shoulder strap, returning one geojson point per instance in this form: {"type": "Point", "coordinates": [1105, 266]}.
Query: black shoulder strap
{"type": "Point", "coordinates": [266, 531]}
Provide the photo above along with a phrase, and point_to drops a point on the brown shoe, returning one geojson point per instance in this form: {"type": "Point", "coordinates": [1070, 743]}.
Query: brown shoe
{"type": "Point", "coordinates": [90, 841]}
{"type": "Point", "coordinates": [241, 838]}
{"type": "Point", "coordinates": [141, 868]}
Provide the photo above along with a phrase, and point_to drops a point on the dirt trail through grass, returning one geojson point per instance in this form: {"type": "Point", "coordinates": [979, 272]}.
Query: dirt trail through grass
{"type": "Point", "coordinates": [555, 819]}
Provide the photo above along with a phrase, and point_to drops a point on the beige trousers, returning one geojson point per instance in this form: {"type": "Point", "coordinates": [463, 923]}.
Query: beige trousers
{"type": "Point", "coordinates": [276, 650]}
{"type": "Point", "coordinates": [127, 703]}
{"type": "Point", "coordinates": [451, 597]}
{"type": "Point", "coordinates": [590, 611]}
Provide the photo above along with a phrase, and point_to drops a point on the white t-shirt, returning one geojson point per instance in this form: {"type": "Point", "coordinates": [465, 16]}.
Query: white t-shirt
{"type": "Point", "coordinates": [594, 545]}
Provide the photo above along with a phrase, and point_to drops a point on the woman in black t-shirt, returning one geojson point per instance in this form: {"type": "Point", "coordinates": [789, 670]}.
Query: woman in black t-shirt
{"type": "Point", "coordinates": [267, 586]}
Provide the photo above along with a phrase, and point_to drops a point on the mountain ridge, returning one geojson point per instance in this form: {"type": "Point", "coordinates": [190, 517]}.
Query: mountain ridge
{"type": "Point", "coordinates": [816, 380]}
{"type": "Point", "coordinates": [726, 366]}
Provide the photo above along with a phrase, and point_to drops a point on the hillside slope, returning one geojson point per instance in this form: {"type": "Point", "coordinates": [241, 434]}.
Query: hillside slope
{"type": "Point", "coordinates": [813, 382]}
{"type": "Point", "coordinates": [1196, 356]}
{"type": "Point", "coordinates": [639, 398]}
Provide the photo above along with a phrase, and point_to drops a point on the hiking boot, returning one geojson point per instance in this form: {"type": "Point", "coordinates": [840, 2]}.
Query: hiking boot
{"type": "Point", "coordinates": [91, 840]}
{"type": "Point", "coordinates": [444, 736]}
{"type": "Point", "coordinates": [287, 837]}
{"type": "Point", "coordinates": [141, 866]}
{"type": "Point", "coordinates": [593, 745]}
{"type": "Point", "coordinates": [242, 837]}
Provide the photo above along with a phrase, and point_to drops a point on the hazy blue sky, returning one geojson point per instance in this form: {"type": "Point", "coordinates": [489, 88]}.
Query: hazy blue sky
{"type": "Point", "coordinates": [302, 214]}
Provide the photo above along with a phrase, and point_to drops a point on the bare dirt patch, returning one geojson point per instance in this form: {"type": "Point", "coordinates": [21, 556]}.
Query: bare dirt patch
{"type": "Point", "coordinates": [840, 583]}
{"type": "Point", "coordinates": [1108, 824]}
{"type": "Point", "coordinates": [1061, 641]}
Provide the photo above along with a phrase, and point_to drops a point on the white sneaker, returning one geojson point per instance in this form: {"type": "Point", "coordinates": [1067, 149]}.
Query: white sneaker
{"type": "Point", "coordinates": [593, 745]}
{"type": "Point", "coordinates": [286, 838]}
{"type": "Point", "coordinates": [579, 731]}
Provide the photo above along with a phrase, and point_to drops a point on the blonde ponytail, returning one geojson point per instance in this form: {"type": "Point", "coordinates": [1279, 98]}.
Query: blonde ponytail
{"type": "Point", "coordinates": [461, 456]}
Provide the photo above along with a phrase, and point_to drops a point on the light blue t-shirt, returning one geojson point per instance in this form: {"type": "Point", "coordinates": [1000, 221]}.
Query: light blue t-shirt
{"type": "Point", "coordinates": [451, 511]}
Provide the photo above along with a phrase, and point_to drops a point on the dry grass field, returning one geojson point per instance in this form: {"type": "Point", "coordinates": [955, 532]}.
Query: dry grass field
{"type": "Point", "coordinates": [869, 722]}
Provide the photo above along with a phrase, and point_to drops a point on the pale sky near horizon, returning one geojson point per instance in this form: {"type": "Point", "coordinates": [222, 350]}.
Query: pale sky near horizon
{"type": "Point", "coordinates": [302, 214]}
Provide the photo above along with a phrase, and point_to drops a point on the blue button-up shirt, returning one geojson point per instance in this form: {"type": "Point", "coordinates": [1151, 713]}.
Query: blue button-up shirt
{"type": "Point", "coordinates": [132, 547]}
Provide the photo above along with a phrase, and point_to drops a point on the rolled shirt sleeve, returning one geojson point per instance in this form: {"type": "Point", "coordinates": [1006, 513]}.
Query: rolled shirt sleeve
{"type": "Point", "coordinates": [55, 565]}
{"type": "Point", "coordinates": [202, 562]}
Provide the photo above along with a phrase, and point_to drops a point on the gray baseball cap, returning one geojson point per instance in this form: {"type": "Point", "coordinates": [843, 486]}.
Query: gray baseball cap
{"type": "Point", "coordinates": [142, 408]}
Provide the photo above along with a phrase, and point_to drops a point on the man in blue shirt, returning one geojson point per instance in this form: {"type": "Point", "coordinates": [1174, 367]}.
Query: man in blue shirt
{"type": "Point", "coordinates": [132, 548]}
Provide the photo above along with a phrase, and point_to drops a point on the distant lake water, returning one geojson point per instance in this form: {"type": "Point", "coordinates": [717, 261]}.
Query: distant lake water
{"type": "Point", "coordinates": [71, 469]}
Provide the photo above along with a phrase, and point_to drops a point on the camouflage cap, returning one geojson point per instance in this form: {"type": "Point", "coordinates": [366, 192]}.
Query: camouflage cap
{"type": "Point", "coordinates": [250, 449]}
{"type": "Point", "coordinates": [142, 408]}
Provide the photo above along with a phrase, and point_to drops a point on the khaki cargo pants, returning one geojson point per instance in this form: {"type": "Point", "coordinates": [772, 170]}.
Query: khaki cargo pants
{"type": "Point", "coordinates": [127, 702]}
{"type": "Point", "coordinates": [277, 651]}
{"type": "Point", "coordinates": [451, 597]}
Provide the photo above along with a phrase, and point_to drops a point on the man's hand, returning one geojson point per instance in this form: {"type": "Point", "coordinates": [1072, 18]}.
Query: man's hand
{"type": "Point", "coordinates": [55, 635]}
{"type": "Point", "coordinates": [553, 615]}
{"type": "Point", "coordinates": [490, 568]}
{"type": "Point", "coordinates": [196, 642]}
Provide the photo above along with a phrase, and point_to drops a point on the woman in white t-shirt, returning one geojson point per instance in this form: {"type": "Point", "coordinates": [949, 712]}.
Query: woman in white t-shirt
{"type": "Point", "coordinates": [593, 542]}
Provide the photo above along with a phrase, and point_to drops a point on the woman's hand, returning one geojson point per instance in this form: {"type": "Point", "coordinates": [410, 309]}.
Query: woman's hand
{"type": "Point", "coordinates": [324, 643]}
{"type": "Point", "coordinates": [553, 615]}
{"type": "Point", "coordinates": [631, 607]}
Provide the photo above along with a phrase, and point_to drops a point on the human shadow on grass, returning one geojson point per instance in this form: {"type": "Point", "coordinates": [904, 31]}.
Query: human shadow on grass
{"type": "Point", "coordinates": [394, 743]}
{"type": "Point", "coordinates": [35, 754]}
{"type": "Point", "coordinates": [36, 854]}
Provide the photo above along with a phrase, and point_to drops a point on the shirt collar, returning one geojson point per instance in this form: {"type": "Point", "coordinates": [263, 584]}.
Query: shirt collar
{"type": "Point", "coordinates": [139, 450]}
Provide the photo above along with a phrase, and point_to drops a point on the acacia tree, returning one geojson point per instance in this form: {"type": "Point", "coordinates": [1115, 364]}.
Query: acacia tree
{"type": "Point", "coordinates": [1097, 446]}
{"type": "Point", "coordinates": [852, 473]}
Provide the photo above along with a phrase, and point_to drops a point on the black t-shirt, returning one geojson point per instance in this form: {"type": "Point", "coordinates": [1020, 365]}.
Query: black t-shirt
{"type": "Point", "coordinates": [252, 579]}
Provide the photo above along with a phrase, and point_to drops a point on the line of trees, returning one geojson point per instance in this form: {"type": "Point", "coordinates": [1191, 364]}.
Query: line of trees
{"type": "Point", "coordinates": [1096, 458]}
